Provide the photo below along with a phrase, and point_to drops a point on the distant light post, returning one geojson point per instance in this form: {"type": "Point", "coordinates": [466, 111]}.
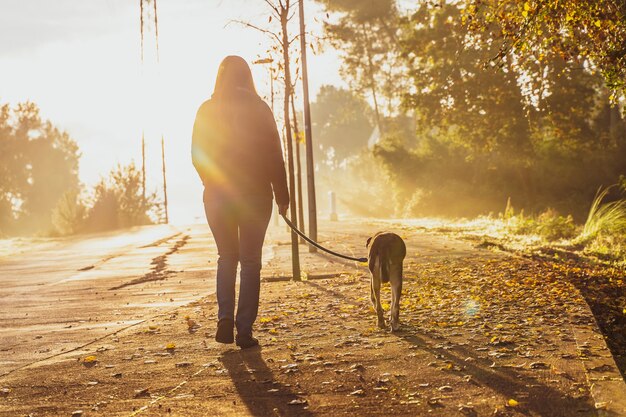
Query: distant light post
{"type": "Point", "coordinates": [268, 61]}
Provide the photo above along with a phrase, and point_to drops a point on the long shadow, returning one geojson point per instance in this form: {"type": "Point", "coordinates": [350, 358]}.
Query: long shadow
{"type": "Point", "coordinates": [541, 400]}
{"type": "Point", "coordinates": [254, 381]}
{"type": "Point", "coordinates": [329, 291]}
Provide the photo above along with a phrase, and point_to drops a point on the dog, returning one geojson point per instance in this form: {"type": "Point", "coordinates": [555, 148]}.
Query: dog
{"type": "Point", "coordinates": [386, 252]}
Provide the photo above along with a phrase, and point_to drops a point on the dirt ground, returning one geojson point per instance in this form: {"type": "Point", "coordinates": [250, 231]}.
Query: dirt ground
{"type": "Point", "coordinates": [483, 334]}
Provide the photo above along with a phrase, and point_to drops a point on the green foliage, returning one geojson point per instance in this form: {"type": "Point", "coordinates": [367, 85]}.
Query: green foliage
{"type": "Point", "coordinates": [38, 164]}
{"type": "Point", "coordinates": [341, 122]}
{"type": "Point", "coordinates": [68, 217]}
{"type": "Point", "coordinates": [577, 31]}
{"type": "Point", "coordinates": [118, 201]}
{"type": "Point", "coordinates": [365, 33]}
{"type": "Point", "coordinates": [549, 225]}
{"type": "Point", "coordinates": [39, 187]}
{"type": "Point", "coordinates": [536, 127]}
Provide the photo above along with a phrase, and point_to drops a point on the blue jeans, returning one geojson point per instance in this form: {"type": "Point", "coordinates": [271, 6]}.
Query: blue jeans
{"type": "Point", "coordinates": [238, 228]}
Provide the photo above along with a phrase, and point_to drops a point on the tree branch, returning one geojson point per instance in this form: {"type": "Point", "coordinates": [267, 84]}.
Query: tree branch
{"type": "Point", "coordinates": [273, 7]}
{"type": "Point", "coordinates": [250, 25]}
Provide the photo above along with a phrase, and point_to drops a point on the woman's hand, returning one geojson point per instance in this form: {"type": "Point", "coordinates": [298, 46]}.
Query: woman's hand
{"type": "Point", "coordinates": [282, 209]}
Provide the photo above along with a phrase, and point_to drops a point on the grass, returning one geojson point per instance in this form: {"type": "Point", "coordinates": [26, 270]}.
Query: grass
{"type": "Point", "coordinates": [602, 237]}
{"type": "Point", "coordinates": [608, 218]}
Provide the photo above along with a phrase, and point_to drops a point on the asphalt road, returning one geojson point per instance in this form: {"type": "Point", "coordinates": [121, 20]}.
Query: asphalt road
{"type": "Point", "coordinates": [61, 295]}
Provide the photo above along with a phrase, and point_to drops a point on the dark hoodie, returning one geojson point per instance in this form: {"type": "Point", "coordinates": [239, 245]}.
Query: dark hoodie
{"type": "Point", "coordinates": [236, 148]}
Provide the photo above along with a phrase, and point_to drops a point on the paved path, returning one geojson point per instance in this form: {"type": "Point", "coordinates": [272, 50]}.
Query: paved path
{"type": "Point", "coordinates": [484, 334]}
{"type": "Point", "coordinates": [60, 296]}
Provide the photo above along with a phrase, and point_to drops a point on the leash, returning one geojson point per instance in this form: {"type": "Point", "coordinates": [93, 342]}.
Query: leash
{"type": "Point", "coordinates": [317, 245]}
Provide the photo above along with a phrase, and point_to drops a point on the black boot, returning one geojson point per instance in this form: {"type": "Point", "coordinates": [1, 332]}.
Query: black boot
{"type": "Point", "coordinates": [246, 341]}
{"type": "Point", "coordinates": [224, 332]}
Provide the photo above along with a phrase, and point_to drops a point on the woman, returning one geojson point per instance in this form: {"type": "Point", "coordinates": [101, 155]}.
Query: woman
{"type": "Point", "coordinates": [236, 151]}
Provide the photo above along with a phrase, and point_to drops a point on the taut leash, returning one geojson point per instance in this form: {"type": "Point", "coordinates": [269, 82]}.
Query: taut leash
{"type": "Point", "coordinates": [317, 245]}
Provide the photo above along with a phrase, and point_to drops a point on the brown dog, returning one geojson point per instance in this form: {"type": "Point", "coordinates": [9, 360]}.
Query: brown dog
{"type": "Point", "coordinates": [385, 256]}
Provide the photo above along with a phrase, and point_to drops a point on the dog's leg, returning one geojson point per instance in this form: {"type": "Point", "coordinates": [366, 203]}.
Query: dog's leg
{"type": "Point", "coordinates": [375, 294]}
{"type": "Point", "coordinates": [396, 291]}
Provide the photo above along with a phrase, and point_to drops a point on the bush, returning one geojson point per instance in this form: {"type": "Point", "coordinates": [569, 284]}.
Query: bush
{"type": "Point", "coordinates": [118, 201]}
{"type": "Point", "coordinates": [549, 225]}
{"type": "Point", "coordinates": [68, 217]}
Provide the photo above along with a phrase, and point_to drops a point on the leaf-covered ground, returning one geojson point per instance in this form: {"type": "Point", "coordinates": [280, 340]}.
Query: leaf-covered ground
{"type": "Point", "coordinates": [483, 335]}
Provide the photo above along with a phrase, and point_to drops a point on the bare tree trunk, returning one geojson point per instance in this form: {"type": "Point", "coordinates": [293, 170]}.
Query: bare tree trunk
{"type": "Point", "coordinates": [296, 132]}
{"type": "Point", "coordinates": [295, 255]}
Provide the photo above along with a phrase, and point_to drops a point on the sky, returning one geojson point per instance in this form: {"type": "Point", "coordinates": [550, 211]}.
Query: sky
{"type": "Point", "coordinates": [80, 62]}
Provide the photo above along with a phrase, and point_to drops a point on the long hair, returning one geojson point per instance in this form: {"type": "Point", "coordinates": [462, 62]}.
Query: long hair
{"type": "Point", "coordinates": [233, 75]}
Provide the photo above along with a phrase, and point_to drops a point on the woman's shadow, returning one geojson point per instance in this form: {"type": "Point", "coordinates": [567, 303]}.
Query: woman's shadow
{"type": "Point", "coordinates": [257, 388]}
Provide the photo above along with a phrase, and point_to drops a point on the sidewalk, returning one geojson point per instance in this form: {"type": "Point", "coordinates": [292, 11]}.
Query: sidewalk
{"type": "Point", "coordinates": [484, 334]}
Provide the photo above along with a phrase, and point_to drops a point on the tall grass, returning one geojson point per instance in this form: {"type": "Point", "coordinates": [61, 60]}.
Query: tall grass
{"type": "Point", "coordinates": [604, 218]}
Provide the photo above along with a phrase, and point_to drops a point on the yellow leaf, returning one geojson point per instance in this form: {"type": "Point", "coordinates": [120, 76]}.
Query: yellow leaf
{"type": "Point", "coordinates": [512, 403]}
{"type": "Point", "coordinates": [265, 320]}
{"type": "Point", "coordinates": [90, 359]}
{"type": "Point", "coordinates": [170, 346]}
{"type": "Point", "coordinates": [526, 6]}
{"type": "Point", "coordinates": [598, 23]}
{"type": "Point", "coordinates": [273, 331]}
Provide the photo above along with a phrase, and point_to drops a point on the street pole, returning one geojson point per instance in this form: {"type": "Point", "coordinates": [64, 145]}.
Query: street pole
{"type": "Point", "coordinates": [310, 168]}
{"type": "Point", "coordinates": [167, 217]}
{"type": "Point", "coordinates": [295, 255]}
{"type": "Point", "coordinates": [143, 167]}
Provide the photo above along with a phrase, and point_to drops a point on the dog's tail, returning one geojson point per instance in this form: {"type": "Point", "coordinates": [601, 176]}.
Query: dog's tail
{"type": "Point", "coordinates": [384, 265]}
{"type": "Point", "coordinates": [379, 252]}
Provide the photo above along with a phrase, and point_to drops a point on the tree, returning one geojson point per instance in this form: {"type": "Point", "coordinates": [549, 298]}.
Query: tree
{"type": "Point", "coordinates": [478, 116]}
{"type": "Point", "coordinates": [582, 33]}
{"type": "Point", "coordinates": [365, 33]}
{"type": "Point", "coordinates": [483, 135]}
{"type": "Point", "coordinates": [282, 11]}
{"type": "Point", "coordinates": [118, 201]}
{"type": "Point", "coordinates": [342, 121]}
{"type": "Point", "coordinates": [38, 164]}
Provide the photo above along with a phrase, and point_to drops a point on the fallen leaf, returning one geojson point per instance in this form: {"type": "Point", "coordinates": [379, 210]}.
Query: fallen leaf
{"type": "Point", "coordinates": [299, 401]}
{"type": "Point", "coordinates": [512, 403]}
{"type": "Point", "coordinates": [142, 393]}
{"type": "Point", "coordinates": [184, 364]}
{"type": "Point", "coordinates": [539, 365]}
